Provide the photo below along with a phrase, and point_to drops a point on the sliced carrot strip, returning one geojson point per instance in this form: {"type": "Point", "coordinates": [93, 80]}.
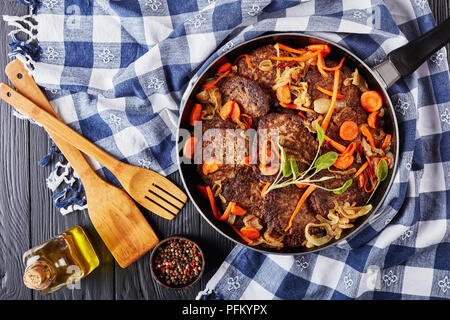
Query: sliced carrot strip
{"type": "Point", "coordinates": [213, 84]}
{"type": "Point", "coordinates": [300, 202]}
{"type": "Point", "coordinates": [296, 107]}
{"type": "Point", "coordinates": [289, 49]}
{"type": "Point", "coordinates": [266, 186]}
{"type": "Point", "coordinates": [338, 66]}
{"type": "Point", "coordinates": [210, 166]}
{"type": "Point", "coordinates": [227, 212]}
{"type": "Point", "coordinates": [330, 93]}
{"type": "Point", "coordinates": [284, 94]}
{"type": "Point", "coordinates": [366, 132]}
{"type": "Point", "coordinates": [226, 109]}
{"type": "Point", "coordinates": [196, 114]}
{"type": "Point", "coordinates": [322, 48]}
{"type": "Point", "coordinates": [248, 122]}
{"type": "Point", "coordinates": [301, 114]}
{"type": "Point", "coordinates": [371, 101]}
{"type": "Point", "coordinates": [302, 58]}
{"type": "Point", "coordinates": [344, 162]}
{"type": "Point", "coordinates": [349, 130]}
{"type": "Point", "coordinates": [241, 234]}
{"type": "Point", "coordinates": [250, 232]}
{"type": "Point", "coordinates": [361, 181]}
{"type": "Point", "coordinates": [202, 190]}
{"type": "Point", "coordinates": [372, 119]}
{"type": "Point", "coordinates": [330, 111]}
{"type": "Point", "coordinates": [246, 161]}
{"type": "Point", "coordinates": [349, 150]}
{"type": "Point", "coordinates": [301, 186]}
{"type": "Point", "coordinates": [238, 211]}
{"type": "Point", "coordinates": [386, 141]}
{"type": "Point", "coordinates": [339, 147]}
{"type": "Point", "coordinates": [224, 68]}
{"type": "Point", "coordinates": [189, 147]}
{"type": "Point", "coordinates": [247, 58]}
{"type": "Point", "coordinates": [320, 65]}
{"type": "Point", "coordinates": [212, 202]}
{"type": "Point", "coordinates": [268, 170]}
{"type": "Point", "coordinates": [361, 169]}
{"type": "Point", "coordinates": [236, 113]}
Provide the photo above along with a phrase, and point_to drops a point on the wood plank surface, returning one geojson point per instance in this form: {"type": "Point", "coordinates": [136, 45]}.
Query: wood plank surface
{"type": "Point", "coordinates": [28, 217]}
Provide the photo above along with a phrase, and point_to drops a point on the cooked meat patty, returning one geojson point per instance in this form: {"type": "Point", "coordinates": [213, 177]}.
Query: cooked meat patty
{"type": "Point", "coordinates": [351, 93]}
{"type": "Point", "coordinates": [296, 140]}
{"type": "Point", "coordinates": [277, 208]}
{"type": "Point", "coordinates": [245, 189]}
{"type": "Point", "coordinates": [264, 78]}
{"type": "Point", "coordinates": [321, 201]}
{"type": "Point", "coordinates": [227, 146]}
{"type": "Point", "coordinates": [247, 93]}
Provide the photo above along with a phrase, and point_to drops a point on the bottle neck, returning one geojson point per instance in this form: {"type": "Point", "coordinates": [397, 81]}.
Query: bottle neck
{"type": "Point", "coordinates": [38, 275]}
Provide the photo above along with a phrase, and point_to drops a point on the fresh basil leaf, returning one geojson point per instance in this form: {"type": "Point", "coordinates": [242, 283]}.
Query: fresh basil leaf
{"type": "Point", "coordinates": [382, 170]}
{"type": "Point", "coordinates": [320, 134]}
{"type": "Point", "coordinates": [342, 189]}
{"type": "Point", "coordinates": [294, 167]}
{"type": "Point", "coordinates": [325, 161]}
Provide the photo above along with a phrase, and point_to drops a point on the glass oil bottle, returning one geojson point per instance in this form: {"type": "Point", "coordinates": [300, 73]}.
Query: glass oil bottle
{"type": "Point", "coordinates": [59, 262]}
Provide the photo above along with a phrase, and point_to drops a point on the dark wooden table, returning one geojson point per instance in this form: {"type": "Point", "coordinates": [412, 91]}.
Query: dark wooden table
{"type": "Point", "coordinates": [28, 217]}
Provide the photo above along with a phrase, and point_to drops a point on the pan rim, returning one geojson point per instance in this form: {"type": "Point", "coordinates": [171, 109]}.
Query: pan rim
{"type": "Point", "coordinates": [370, 218]}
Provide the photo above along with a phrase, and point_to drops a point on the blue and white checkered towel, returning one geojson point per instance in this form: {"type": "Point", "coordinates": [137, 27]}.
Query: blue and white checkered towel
{"type": "Point", "coordinates": [116, 71]}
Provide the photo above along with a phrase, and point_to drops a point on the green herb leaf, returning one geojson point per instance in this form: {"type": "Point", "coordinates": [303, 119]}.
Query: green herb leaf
{"type": "Point", "coordinates": [294, 167]}
{"type": "Point", "coordinates": [382, 170]}
{"type": "Point", "coordinates": [286, 166]}
{"type": "Point", "coordinates": [320, 134]}
{"type": "Point", "coordinates": [342, 189]}
{"type": "Point", "coordinates": [325, 161]}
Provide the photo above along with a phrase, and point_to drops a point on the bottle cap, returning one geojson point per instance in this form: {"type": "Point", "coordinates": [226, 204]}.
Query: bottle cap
{"type": "Point", "coordinates": [36, 277]}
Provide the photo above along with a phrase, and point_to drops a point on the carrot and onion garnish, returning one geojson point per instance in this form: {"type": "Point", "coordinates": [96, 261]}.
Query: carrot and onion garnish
{"type": "Point", "coordinates": [338, 66]}
{"type": "Point", "coordinates": [386, 141]}
{"type": "Point", "coordinates": [327, 119]}
{"type": "Point", "coordinates": [224, 68]}
{"type": "Point", "coordinates": [211, 166]}
{"type": "Point", "coordinates": [296, 107]}
{"type": "Point", "coordinates": [366, 132]}
{"type": "Point", "coordinates": [322, 48]}
{"type": "Point", "coordinates": [372, 119]}
{"type": "Point", "coordinates": [196, 114]}
{"type": "Point", "coordinates": [284, 94]}
{"type": "Point", "coordinates": [213, 83]}
{"type": "Point", "coordinates": [371, 101]}
{"type": "Point", "coordinates": [247, 59]}
{"type": "Point", "coordinates": [189, 147]}
{"type": "Point", "coordinates": [302, 200]}
{"type": "Point", "coordinates": [330, 93]}
{"type": "Point", "coordinates": [305, 57]}
{"type": "Point", "coordinates": [349, 130]}
{"type": "Point", "coordinates": [320, 65]}
{"type": "Point", "coordinates": [289, 49]}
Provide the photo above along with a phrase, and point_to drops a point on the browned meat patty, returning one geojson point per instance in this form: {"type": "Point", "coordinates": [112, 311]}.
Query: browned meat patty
{"type": "Point", "coordinates": [277, 208]}
{"type": "Point", "coordinates": [264, 78]}
{"type": "Point", "coordinates": [221, 142]}
{"type": "Point", "coordinates": [321, 201]}
{"type": "Point", "coordinates": [297, 141]}
{"type": "Point", "coordinates": [247, 93]}
{"type": "Point", "coordinates": [351, 93]}
{"type": "Point", "coordinates": [245, 189]}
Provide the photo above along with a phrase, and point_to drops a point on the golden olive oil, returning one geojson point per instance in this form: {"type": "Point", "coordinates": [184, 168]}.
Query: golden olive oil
{"type": "Point", "coordinates": [60, 262]}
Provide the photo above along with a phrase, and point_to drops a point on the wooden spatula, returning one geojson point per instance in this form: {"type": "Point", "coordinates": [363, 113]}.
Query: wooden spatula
{"type": "Point", "coordinates": [148, 188]}
{"type": "Point", "coordinates": [114, 215]}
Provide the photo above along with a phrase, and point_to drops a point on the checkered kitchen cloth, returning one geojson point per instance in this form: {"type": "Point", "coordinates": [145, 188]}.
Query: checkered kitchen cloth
{"type": "Point", "coordinates": [116, 70]}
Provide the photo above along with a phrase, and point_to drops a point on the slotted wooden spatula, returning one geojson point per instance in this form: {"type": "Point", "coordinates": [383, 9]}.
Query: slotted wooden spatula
{"type": "Point", "coordinates": [114, 215]}
{"type": "Point", "coordinates": [148, 188]}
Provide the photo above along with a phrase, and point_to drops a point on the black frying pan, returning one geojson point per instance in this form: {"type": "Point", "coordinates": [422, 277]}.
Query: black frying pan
{"type": "Point", "coordinates": [400, 63]}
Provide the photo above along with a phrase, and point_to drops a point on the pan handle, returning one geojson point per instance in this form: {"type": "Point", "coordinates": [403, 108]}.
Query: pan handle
{"type": "Point", "coordinates": [405, 60]}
